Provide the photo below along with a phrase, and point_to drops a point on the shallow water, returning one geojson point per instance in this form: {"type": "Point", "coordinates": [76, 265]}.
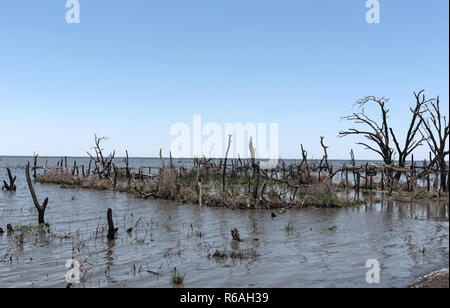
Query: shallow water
{"type": "Point", "coordinates": [407, 239]}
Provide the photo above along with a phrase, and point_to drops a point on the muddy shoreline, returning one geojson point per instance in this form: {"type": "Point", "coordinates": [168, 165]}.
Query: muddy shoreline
{"type": "Point", "coordinates": [434, 280]}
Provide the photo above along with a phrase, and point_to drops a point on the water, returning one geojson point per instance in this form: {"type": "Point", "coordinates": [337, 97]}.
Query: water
{"type": "Point", "coordinates": [408, 239]}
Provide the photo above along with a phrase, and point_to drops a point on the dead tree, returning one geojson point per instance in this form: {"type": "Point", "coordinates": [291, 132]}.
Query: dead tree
{"type": "Point", "coordinates": [162, 159]}
{"type": "Point", "coordinates": [11, 186]}
{"type": "Point", "coordinates": [436, 133]}
{"type": "Point", "coordinates": [377, 133]}
{"type": "Point", "coordinates": [255, 167]}
{"type": "Point", "coordinates": [324, 159]}
{"type": "Point", "coordinates": [111, 230]}
{"type": "Point", "coordinates": [304, 163]}
{"type": "Point", "coordinates": [199, 182]}
{"type": "Point", "coordinates": [103, 162]}
{"type": "Point", "coordinates": [40, 208]}
{"type": "Point", "coordinates": [127, 168]}
{"type": "Point", "coordinates": [380, 133]}
{"type": "Point", "coordinates": [224, 172]}
{"type": "Point", "coordinates": [414, 127]}
{"type": "Point", "coordinates": [35, 157]}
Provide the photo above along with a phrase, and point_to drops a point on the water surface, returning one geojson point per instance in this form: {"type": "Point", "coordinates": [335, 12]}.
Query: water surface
{"type": "Point", "coordinates": [408, 239]}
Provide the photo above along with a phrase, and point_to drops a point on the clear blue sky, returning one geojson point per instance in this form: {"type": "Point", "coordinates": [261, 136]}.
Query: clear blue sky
{"type": "Point", "coordinates": [132, 68]}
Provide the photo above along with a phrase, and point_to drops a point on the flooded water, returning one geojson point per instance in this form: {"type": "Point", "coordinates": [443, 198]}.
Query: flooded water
{"type": "Point", "coordinates": [408, 240]}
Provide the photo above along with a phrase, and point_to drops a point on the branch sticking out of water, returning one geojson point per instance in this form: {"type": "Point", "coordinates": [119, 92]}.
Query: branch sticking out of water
{"type": "Point", "coordinates": [11, 186]}
{"type": "Point", "coordinates": [40, 208]}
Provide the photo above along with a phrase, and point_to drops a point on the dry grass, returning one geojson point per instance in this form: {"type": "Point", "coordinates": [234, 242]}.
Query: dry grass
{"type": "Point", "coordinates": [179, 184]}
{"type": "Point", "coordinates": [322, 194]}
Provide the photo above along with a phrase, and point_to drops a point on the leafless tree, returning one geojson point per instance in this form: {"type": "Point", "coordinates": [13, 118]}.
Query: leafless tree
{"type": "Point", "coordinates": [377, 133]}
{"type": "Point", "coordinates": [380, 133]}
{"type": "Point", "coordinates": [104, 162]}
{"type": "Point", "coordinates": [411, 143]}
{"type": "Point", "coordinates": [436, 133]}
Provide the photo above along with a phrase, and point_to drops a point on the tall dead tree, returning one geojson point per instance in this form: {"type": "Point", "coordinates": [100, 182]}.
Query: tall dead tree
{"type": "Point", "coordinates": [324, 159]}
{"type": "Point", "coordinates": [380, 133]}
{"type": "Point", "coordinates": [436, 129]}
{"type": "Point", "coordinates": [40, 208]}
{"type": "Point", "coordinates": [306, 166]}
{"type": "Point", "coordinates": [199, 181]}
{"type": "Point", "coordinates": [255, 167]}
{"type": "Point", "coordinates": [224, 172]}
{"type": "Point", "coordinates": [373, 131]}
{"type": "Point", "coordinates": [414, 127]}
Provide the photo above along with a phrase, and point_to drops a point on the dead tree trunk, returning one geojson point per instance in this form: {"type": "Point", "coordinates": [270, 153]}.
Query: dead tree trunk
{"type": "Point", "coordinates": [40, 208]}
{"type": "Point", "coordinates": [255, 167]}
{"type": "Point", "coordinates": [224, 172]}
{"type": "Point", "coordinates": [11, 186]}
{"type": "Point", "coordinates": [35, 167]}
{"type": "Point", "coordinates": [127, 168]}
{"type": "Point", "coordinates": [111, 230]}
{"type": "Point", "coordinates": [199, 183]}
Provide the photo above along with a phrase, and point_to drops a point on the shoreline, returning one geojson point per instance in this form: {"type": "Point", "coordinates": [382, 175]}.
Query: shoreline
{"type": "Point", "coordinates": [435, 280]}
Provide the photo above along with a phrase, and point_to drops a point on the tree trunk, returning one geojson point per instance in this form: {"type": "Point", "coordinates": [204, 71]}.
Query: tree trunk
{"type": "Point", "coordinates": [443, 170]}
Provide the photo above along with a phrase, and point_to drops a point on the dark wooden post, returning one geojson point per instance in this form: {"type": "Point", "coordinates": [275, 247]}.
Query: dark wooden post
{"type": "Point", "coordinates": [366, 183]}
{"type": "Point", "coordinates": [116, 170]}
{"type": "Point", "coordinates": [35, 167]}
{"type": "Point", "coordinates": [111, 230]}
{"type": "Point", "coordinates": [225, 164]}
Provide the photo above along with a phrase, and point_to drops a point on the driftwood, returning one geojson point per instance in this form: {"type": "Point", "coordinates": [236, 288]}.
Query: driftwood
{"type": "Point", "coordinates": [11, 186]}
{"type": "Point", "coordinates": [40, 208]}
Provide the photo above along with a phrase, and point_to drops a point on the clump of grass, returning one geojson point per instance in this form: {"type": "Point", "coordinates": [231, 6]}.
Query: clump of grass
{"type": "Point", "coordinates": [368, 193]}
{"type": "Point", "coordinates": [168, 187]}
{"type": "Point", "coordinates": [177, 278]}
{"type": "Point", "coordinates": [200, 234]}
{"type": "Point", "coordinates": [289, 227]}
{"type": "Point", "coordinates": [420, 195]}
{"type": "Point", "coordinates": [29, 229]}
{"type": "Point", "coordinates": [188, 195]}
{"type": "Point", "coordinates": [323, 194]}
{"type": "Point", "coordinates": [235, 254]}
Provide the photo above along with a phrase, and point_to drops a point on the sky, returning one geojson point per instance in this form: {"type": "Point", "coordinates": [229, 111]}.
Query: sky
{"type": "Point", "coordinates": [131, 69]}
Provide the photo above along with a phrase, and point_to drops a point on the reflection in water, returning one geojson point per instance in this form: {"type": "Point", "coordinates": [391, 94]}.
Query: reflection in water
{"type": "Point", "coordinates": [408, 239]}
{"type": "Point", "coordinates": [109, 260]}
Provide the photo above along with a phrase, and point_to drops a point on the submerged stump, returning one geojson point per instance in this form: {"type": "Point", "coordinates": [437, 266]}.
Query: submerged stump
{"type": "Point", "coordinates": [111, 230]}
